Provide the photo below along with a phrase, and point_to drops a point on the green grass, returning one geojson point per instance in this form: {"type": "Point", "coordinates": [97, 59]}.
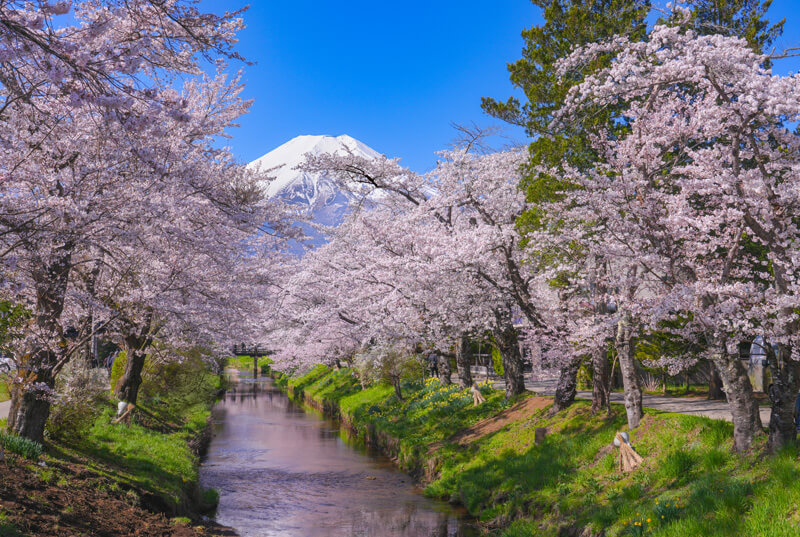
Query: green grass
{"type": "Point", "coordinates": [161, 463]}
{"type": "Point", "coordinates": [300, 383]}
{"type": "Point", "coordinates": [21, 446]}
{"type": "Point", "coordinates": [359, 405]}
{"type": "Point", "coordinates": [689, 484]}
{"type": "Point", "coordinates": [331, 386]}
{"type": "Point", "coordinates": [245, 363]}
{"type": "Point", "coordinates": [4, 392]}
{"type": "Point", "coordinates": [429, 412]}
{"type": "Point", "coordinates": [7, 529]}
{"type": "Point", "coordinates": [152, 453]}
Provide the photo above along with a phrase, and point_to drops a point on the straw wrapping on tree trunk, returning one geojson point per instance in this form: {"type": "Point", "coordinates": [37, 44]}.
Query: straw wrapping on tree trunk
{"type": "Point", "coordinates": [629, 460]}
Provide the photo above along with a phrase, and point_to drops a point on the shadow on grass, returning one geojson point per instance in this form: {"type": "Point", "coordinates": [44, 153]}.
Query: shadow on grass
{"type": "Point", "coordinates": [499, 475]}
{"type": "Point", "coordinates": [503, 477]}
{"type": "Point", "coordinates": [332, 387]}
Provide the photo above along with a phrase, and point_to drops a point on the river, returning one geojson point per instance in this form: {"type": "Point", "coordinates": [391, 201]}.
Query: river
{"type": "Point", "coordinates": [284, 471]}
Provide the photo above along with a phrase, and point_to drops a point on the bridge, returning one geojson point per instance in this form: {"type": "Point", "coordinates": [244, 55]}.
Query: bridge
{"type": "Point", "coordinates": [255, 351]}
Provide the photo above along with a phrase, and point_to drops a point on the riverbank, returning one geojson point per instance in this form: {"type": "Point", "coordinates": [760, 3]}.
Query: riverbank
{"type": "Point", "coordinates": [568, 484]}
{"type": "Point", "coordinates": [96, 477]}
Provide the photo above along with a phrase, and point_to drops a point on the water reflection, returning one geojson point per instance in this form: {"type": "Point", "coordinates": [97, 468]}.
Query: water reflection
{"type": "Point", "coordinates": [284, 472]}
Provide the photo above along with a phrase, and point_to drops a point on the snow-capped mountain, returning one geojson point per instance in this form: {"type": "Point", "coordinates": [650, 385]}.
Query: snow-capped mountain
{"type": "Point", "coordinates": [324, 199]}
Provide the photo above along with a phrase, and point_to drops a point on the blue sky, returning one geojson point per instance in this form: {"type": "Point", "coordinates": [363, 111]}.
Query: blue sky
{"type": "Point", "coordinates": [394, 75]}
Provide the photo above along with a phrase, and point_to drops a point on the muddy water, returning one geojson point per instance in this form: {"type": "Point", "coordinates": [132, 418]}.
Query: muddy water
{"type": "Point", "coordinates": [283, 471]}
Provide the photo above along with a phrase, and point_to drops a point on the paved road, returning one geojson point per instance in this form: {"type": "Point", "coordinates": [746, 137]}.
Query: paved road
{"type": "Point", "coordinates": [4, 408]}
{"type": "Point", "coordinates": [695, 406]}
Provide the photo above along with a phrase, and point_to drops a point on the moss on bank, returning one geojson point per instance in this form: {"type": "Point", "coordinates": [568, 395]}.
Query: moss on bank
{"type": "Point", "coordinates": [689, 484]}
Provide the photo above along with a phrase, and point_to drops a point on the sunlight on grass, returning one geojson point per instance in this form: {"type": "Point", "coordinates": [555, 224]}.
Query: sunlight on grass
{"type": "Point", "coordinates": [155, 461]}
{"type": "Point", "coordinates": [245, 363]}
{"type": "Point", "coordinates": [690, 482]}
{"type": "Point", "coordinates": [4, 391]}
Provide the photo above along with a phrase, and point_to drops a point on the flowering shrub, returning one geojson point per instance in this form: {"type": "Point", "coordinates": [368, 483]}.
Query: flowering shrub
{"type": "Point", "coordinates": [436, 397]}
{"type": "Point", "coordinates": [432, 400]}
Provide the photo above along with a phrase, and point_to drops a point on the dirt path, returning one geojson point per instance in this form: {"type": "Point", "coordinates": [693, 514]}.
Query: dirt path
{"type": "Point", "coordinates": [518, 412]}
{"type": "Point", "coordinates": [4, 409]}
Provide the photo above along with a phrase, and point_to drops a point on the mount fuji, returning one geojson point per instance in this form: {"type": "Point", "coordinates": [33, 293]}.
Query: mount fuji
{"type": "Point", "coordinates": [326, 203]}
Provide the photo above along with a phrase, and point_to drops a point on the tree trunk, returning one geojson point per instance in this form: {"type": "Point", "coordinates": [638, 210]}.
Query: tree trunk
{"type": "Point", "coordinates": [396, 385]}
{"type": "Point", "coordinates": [30, 399]}
{"type": "Point", "coordinates": [567, 386]}
{"type": "Point", "coordinates": [137, 341]}
{"type": "Point", "coordinates": [30, 407]}
{"type": "Point", "coordinates": [464, 361]}
{"type": "Point", "coordinates": [445, 370]}
{"type": "Point", "coordinates": [715, 384]}
{"type": "Point", "coordinates": [508, 344]}
{"type": "Point", "coordinates": [599, 379]}
{"type": "Point", "coordinates": [742, 404]}
{"type": "Point", "coordinates": [630, 378]}
{"type": "Point", "coordinates": [785, 385]}
{"type": "Point", "coordinates": [128, 387]}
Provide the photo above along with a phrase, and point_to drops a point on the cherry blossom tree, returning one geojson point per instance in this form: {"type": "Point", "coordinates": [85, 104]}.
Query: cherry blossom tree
{"type": "Point", "coordinates": [102, 158]}
{"type": "Point", "coordinates": [428, 258]}
{"type": "Point", "coordinates": [698, 196]}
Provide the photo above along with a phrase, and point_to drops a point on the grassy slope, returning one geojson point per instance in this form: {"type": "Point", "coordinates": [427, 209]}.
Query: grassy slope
{"type": "Point", "coordinates": [428, 413]}
{"type": "Point", "coordinates": [153, 452]}
{"type": "Point", "coordinates": [690, 483]}
{"type": "Point", "coordinates": [65, 498]}
{"type": "Point", "coordinates": [245, 363]}
{"type": "Point", "coordinates": [157, 462]}
{"type": "Point", "coordinates": [4, 393]}
{"type": "Point", "coordinates": [151, 456]}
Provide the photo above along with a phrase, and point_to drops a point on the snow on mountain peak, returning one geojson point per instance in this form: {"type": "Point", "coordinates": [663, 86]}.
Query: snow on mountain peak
{"type": "Point", "coordinates": [325, 201]}
{"type": "Point", "coordinates": [282, 161]}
